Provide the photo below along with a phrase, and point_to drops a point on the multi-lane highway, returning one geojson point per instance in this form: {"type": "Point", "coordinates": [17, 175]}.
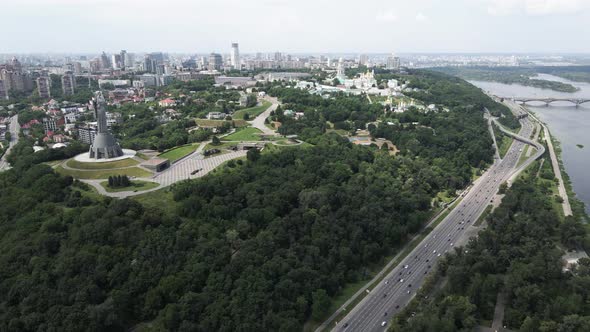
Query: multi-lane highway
{"type": "Point", "coordinates": [14, 130]}
{"type": "Point", "coordinates": [400, 285]}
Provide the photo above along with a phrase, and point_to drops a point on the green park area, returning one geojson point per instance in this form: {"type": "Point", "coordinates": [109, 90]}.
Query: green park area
{"type": "Point", "coordinates": [104, 165]}
{"type": "Point", "coordinates": [252, 111]}
{"type": "Point", "coordinates": [179, 152]}
{"type": "Point", "coordinates": [102, 173]}
{"type": "Point", "coordinates": [246, 134]}
{"type": "Point", "coordinates": [218, 123]}
{"type": "Point", "coordinates": [220, 146]}
{"type": "Point", "coordinates": [136, 185]}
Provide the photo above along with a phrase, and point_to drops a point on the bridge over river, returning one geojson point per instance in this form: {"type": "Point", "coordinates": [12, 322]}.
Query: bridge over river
{"type": "Point", "coordinates": [523, 100]}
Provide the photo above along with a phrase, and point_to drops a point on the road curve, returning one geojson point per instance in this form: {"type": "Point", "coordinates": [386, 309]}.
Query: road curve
{"type": "Point", "coordinates": [258, 122]}
{"type": "Point", "coordinates": [399, 286]}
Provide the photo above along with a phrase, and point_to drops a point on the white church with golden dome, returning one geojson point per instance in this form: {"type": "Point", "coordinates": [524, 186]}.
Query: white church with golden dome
{"type": "Point", "coordinates": [365, 80]}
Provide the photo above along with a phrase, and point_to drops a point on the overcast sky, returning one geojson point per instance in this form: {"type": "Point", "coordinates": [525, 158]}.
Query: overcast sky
{"type": "Point", "coordinates": [199, 26]}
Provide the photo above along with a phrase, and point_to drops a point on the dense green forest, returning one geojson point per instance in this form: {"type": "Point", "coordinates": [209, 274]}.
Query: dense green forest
{"type": "Point", "coordinates": [572, 73]}
{"type": "Point", "coordinates": [519, 253]}
{"type": "Point", "coordinates": [263, 244]}
{"type": "Point", "coordinates": [509, 75]}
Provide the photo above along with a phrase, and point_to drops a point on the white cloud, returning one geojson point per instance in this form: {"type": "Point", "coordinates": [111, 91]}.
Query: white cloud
{"type": "Point", "coordinates": [388, 16]}
{"type": "Point", "coordinates": [420, 17]}
{"type": "Point", "coordinates": [535, 7]}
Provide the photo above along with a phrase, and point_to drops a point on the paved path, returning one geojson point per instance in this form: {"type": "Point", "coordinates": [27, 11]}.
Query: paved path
{"type": "Point", "coordinates": [491, 129]}
{"type": "Point", "coordinates": [567, 208]}
{"type": "Point", "coordinates": [498, 322]}
{"type": "Point", "coordinates": [177, 172]}
{"type": "Point", "coordinates": [258, 122]}
{"type": "Point", "coordinates": [14, 131]}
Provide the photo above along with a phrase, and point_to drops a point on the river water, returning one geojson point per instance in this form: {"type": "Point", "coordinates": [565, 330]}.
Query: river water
{"type": "Point", "coordinates": [570, 125]}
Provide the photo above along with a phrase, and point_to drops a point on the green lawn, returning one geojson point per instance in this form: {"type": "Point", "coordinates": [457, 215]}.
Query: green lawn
{"type": "Point", "coordinates": [246, 134]}
{"type": "Point", "coordinates": [252, 111]}
{"type": "Point", "coordinates": [218, 123]}
{"type": "Point", "coordinates": [103, 173]}
{"type": "Point", "coordinates": [142, 156]}
{"type": "Point", "coordinates": [176, 153]}
{"type": "Point", "coordinates": [484, 215]}
{"type": "Point", "coordinates": [53, 162]}
{"type": "Point", "coordinates": [504, 145]}
{"type": "Point", "coordinates": [523, 156]}
{"type": "Point", "coordinates": [221, 146]}
{"type": "Point", "coordinates": [136, 185]}
{"type": "Point", "coordinates": [106, 165]}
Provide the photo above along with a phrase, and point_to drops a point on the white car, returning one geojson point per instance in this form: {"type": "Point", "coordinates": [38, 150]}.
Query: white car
{"type": "Point", "coordinates": [384, 323]}
{"type": "Point", "coordinates": [405, 266]}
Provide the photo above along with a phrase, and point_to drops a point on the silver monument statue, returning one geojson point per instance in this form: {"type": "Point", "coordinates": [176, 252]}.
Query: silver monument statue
{"type": "Point", "coordinates": [105, 146]}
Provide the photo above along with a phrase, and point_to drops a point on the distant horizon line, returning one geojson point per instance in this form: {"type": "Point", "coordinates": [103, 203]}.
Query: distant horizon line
{"type": "Point", "coordinates": [545, 53]}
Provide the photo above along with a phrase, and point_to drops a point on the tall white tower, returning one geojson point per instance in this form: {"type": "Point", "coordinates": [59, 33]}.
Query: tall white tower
{"type": "Point", "coordinates": [235, 56]}
{"type": "Point", "coordinates": [340, 71]}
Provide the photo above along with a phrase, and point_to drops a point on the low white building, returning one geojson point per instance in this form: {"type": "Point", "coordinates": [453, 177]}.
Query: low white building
{"type": "Point", "coordinates": [215, 115]}
{"type": "Point", "coordinates": [115, 83]}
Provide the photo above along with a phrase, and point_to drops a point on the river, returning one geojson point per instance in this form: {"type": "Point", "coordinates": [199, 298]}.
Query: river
{"type": "Point", "coordinates": [570, 125]}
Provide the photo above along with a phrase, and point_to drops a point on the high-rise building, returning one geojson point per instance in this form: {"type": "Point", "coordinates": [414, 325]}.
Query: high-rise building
{"type": "Point", "coordinates": [235, 56]}
{"type": "Point", "coordinates": [87, 133]}
{"type": "Point", "coordinates": [122, 59]}
{"type": "Point", "coordinates": [94, 65]}
{"type": "Point", "coordinates": [16, 66]}
{"type": "Point", "coordinates": [116, 61]}
{"type": "Point", "coordinates": [44, 87]}
{"type": "Point", "coordinates": [215, 61]}
{"type": "Point", "coordinates": [363, 60]}
{"type": "Point", "coordinates": [68, 83]}
{"type": "Point", "coordinates": [14, 78]}
{"type": "Point", "coordinates": [160, 69]}
{"type": "Point", "coordinates": [3, 91]}
{"type": "Point", "coordinates": [151, 61]}
{"type": "Point", "coordinates": [340, 75]}
{"type": "Point", "coordinates": [104, 62]}
{"type": "Point", "coordinates": [129, 60]}
{"type": "Point", "coordinates": [77, 68]}
{"type": "Point", "coordinates": [393, 62]}
{"type": "Point", "coordinates": [278, 56]}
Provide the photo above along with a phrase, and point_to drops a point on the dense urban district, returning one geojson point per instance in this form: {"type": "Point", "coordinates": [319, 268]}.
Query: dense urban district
{"type": "Point", "coordinates": [261, 199]}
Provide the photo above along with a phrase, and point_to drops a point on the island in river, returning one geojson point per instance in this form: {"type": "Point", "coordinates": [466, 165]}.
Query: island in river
{"type": "Point", "coordinates": [509, 75]}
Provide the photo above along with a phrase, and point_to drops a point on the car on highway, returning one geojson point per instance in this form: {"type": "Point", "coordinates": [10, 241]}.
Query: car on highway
{"type": "Point", "coordinates": [384, 323]}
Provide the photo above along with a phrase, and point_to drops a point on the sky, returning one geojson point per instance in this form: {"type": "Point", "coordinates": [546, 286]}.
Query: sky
{"type": "Point", "coordinates": [296, 26]}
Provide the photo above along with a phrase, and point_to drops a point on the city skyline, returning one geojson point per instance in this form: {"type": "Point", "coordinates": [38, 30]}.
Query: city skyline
{"type": "Point", "coordinates": [422, 26]}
